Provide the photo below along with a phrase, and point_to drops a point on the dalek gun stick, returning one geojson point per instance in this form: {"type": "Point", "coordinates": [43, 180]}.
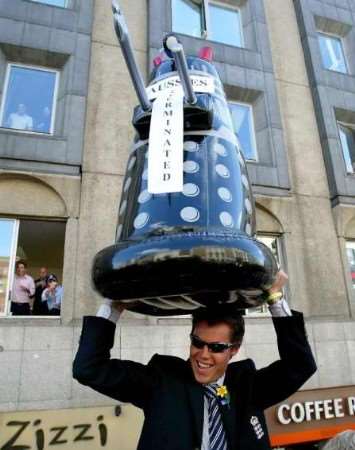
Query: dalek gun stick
{"type": "Point", "coordinates": [186, 221]}
{"type": "Point", "coordinates": [127, 50]}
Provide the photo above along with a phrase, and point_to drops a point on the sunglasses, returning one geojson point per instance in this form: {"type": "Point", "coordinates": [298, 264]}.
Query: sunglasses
{"type": "Point", "coordinates": [214, 347]}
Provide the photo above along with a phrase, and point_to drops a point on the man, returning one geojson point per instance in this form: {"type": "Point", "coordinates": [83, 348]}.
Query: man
{"type": "Point", "coordinates": [23, 290]}
{"type": "Point", "coordinates": [52, 295]}
{"type": "Point", "coordinates": [40, 308]}
{"type": "Point", "coordinates": [183, 407]}
{"type": "Point", "coordinates": [20, 120]}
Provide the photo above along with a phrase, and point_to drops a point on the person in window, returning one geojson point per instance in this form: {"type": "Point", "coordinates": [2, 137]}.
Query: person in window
{"type": "Point", "coordinates": [23, 291]}
{"type": "Point", "coordinates": [40, 308]}
{"type": "Point", "coordinates": [52, 295]}
{"type": "Point", "coordinates": [44, 124]}
{"type": "Point", "coordinates": [20, 120]}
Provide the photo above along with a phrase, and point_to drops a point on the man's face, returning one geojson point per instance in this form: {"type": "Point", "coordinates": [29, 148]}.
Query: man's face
{"type": "Point", "coordinates": [43, 272]}
{"type": "Point", "coordinates": [21, 270]}
{"type": "Point", "coordinates": [21, 109]}
{"type": "Point", "coordinates": [207, 366]}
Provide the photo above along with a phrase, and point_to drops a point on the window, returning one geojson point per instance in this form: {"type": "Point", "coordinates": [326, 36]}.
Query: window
{"type": "Point", "coordinates": [225, 25]}
{"type": "Point", "coordinates": [346, 134]}
{"type": "Point", "coordinates": [243, 123]}
{"type": "Point", "coordinates": [202, 18]}
{"type": "Point", "coordinates": [332, 53]}
{"type": "Point", "coordinates": [29, 99]}
{"type": "Point", "coordinates": [350, 252]}
{"type": "Point", "coordinates": [62, 3]}
{"type": "Point", "coordinates": [188, 17]}
{"type": "Point", "coordinates": [40, 244]}
{"type": "Point", "coordinates": [273, 242]}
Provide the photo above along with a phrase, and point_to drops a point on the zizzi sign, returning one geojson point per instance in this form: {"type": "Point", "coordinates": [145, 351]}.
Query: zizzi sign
{"type": "Point", "coordinates": [299, 412]}
{"type": "Point", "coordinates": [52, 436]}
{"type": "Point", "coordinates": [70, 429]}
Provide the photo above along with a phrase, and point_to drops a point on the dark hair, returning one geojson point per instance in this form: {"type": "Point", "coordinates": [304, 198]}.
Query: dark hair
{"type": "Point", "coordinates": [20, 261]}
{"type": "Point", "coordinates": [51, 277]}
{"type": "Point", "coordinates": [221, 314]}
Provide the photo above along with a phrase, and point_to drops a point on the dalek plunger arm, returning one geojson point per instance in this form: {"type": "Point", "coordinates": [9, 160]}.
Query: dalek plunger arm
{"type": "Point", "coordinates": [176, 49]}
{"type": "Point", "coordinates": [127, 50]}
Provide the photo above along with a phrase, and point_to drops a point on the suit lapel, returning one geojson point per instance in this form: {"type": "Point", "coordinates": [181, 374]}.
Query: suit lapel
{"type": "Point", "coordinates": [196, 400]}
{"type": "Point", "coordinates": [232, 413]}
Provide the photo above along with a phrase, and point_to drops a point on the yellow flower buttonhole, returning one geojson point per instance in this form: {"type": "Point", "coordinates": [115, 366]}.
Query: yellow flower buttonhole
{"type": "Point", "coordinates": [222, 391]}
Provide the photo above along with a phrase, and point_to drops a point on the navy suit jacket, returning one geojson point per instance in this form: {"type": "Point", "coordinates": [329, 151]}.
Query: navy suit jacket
{"type": "Point", "coordinates": [172, 400]}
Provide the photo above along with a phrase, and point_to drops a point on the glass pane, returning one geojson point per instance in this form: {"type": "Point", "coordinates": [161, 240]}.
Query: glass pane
{"type": "Point", "coordinates": [348, 146]}
{"type": "Point", "coordinates": [332, 53]}
{"type": "Point", "coordinates": [350, 251]}
{"type": "Point", "coordinates": [29, 99]}
{"type": "Point", "coordinates": [6, 236]}
{"type": "Point", "coordinates": [224, 25]}
{"type": "Point", "coordinates": [187, 17]}
{"type": "Point", "coordinates": [41, 245]}
{"type": "Point", "coordinates": [62, 3]}
{"type": "Point", "coordinates": [243, 125]}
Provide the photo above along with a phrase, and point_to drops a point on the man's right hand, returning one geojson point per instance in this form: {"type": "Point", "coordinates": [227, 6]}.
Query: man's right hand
{"type": "Point", "coordinates": [118, 306]}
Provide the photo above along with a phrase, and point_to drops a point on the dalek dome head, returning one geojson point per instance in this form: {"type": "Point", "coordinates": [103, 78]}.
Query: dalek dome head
{"type": "Point", "coordinates": [195, 64]}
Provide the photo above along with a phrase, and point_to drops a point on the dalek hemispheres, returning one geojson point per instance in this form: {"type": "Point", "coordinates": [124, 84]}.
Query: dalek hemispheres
{"type": "Point", "coordinates": [186, 225]}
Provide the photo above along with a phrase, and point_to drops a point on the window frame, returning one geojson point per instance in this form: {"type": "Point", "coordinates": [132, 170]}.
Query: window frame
{"type": "Point", "coordinates": [253, 137]}
{"type": "Point", "coordinates": [341, 40]}
{"type": "Point", "coordinates": [352, 128]}
{"type": "Point", "coordinates": [43, 2]}
{"type": "Point", "coordinates": [224, 6]}
{"type": "Point", "coordinates": [7, 315]}
{"type": "Point", "coordinates": [206, 21]}
{"type": "Point", "coordinates": [11, 64]}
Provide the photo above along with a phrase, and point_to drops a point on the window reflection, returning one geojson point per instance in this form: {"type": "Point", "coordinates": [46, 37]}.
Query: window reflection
{"type": "Point", "coordinates": [7, 231]}
{"type": "Point", "coordinates": [29, 99]}
{"type": "Point", "coordinates": [242, 117]}
{"type": "Point", "coordinates": [350, 252]}
{"type": "Point", "coordinates": [62, 3]}
{"type": "Point", "coordinates": [347, 140]}
{"type": "Point", "coordinates": [332, 53]}
{"type": "Point", "coordinates": [225, 25]}
{"type": "Point", "coordinates": [187, 17]}
{"type": "Point", "coordinates": [220, 23]}
{"type": "Point", "coordinates": [273, 242]}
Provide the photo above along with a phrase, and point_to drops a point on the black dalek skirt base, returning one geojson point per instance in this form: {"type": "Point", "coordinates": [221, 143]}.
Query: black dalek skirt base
{"type": "Point", "coordinates": [188, 270]}
{"type": "Point", "coordinates": [186, 225]}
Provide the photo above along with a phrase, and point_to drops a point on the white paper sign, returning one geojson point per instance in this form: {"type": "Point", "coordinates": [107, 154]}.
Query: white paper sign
{"type": "Point", "coordinates": [199, 83]}
{"type": "Point", "coordinates": [165, 158]}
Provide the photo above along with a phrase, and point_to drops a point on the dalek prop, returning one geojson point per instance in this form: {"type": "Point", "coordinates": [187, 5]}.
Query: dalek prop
{"type": "Point", "coordinates": [186, 225]}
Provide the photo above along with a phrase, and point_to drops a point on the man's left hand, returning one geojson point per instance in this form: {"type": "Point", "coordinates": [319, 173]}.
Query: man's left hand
{"type": "Point", "coordinates": [280, 281]}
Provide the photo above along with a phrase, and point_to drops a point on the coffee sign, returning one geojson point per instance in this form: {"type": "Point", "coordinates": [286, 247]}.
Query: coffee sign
{"type": "Point", "coordinates": [299, 412]}
{"type": "Point", "coordinates": [312, 415]}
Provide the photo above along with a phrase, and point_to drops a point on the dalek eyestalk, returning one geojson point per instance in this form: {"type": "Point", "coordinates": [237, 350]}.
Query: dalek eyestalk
{"type": "Point", "coordinates": [127, 50]}
{"type": "Point", "coordinates": [173, 45]}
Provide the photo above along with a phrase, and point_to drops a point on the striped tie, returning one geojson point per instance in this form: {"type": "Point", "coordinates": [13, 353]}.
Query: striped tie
{"type": "Point", "coordinates": [218, 439]}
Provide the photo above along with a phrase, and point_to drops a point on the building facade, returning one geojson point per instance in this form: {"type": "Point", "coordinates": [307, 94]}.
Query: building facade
{"type": "Point", "coordinates": [65, 133]}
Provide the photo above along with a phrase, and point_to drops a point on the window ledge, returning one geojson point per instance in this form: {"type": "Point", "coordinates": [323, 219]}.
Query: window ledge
{"type": "Point", "coordinates": [30, 134]}
{"type": "Point", "coordinates": [30, 320]}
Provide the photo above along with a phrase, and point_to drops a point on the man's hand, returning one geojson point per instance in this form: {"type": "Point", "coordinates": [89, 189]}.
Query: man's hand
{"type": "Point", "coordinates": [118, 306]}
{"type": "Point", "coordinates": [280, 281]}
